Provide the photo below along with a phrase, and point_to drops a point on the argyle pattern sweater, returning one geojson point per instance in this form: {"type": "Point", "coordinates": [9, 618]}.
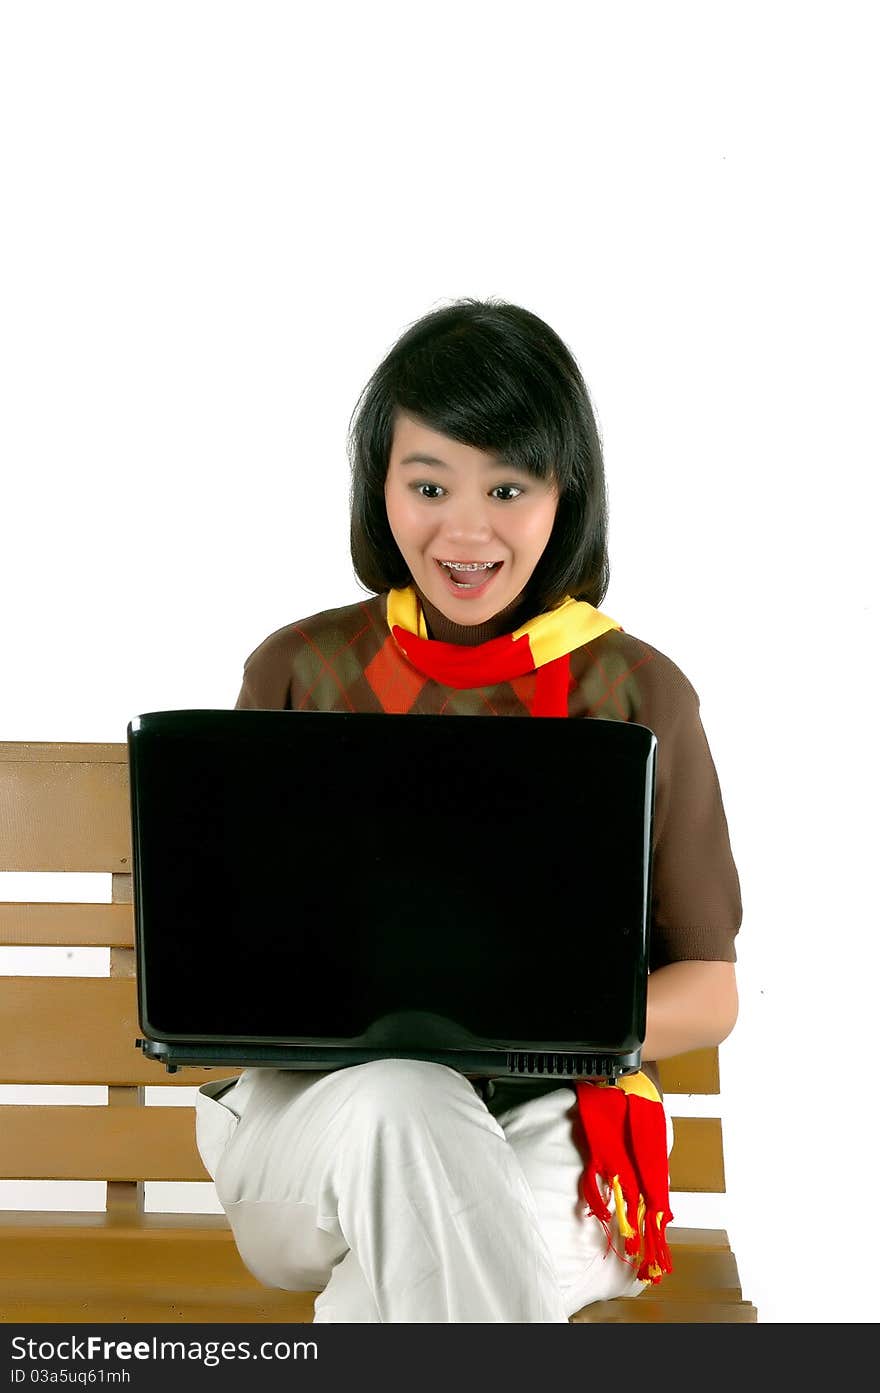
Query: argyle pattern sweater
{"type": "Point", "coordinates": [348, 659]}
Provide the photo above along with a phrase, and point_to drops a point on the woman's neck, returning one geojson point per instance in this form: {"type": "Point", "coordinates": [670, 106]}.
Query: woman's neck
{"type": "Point", "coordinates": [445, 630]}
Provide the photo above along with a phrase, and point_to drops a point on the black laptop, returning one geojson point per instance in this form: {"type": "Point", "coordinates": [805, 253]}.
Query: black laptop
{"type": "Point", "coordinates": [313, 890]}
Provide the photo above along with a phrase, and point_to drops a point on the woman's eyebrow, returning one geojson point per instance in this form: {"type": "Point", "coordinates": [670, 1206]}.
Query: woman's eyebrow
{"type": "Point", "coordinates": [496, 463]}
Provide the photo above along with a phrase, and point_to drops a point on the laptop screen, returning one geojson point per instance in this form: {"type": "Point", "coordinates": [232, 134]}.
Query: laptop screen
{"type": "Point", "coordinates": [302, 877]}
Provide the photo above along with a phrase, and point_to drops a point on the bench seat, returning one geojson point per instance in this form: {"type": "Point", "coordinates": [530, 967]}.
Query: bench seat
{"type": "Point", "coordinates": [80, 1268]}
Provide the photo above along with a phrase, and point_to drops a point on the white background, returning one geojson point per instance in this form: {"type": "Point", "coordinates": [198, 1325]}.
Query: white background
{"type": "Point", "coordinates": [216, 220]}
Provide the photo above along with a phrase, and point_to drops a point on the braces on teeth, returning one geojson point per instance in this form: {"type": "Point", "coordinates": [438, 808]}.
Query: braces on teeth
{"type": "Point", "coordinates": [469, 566]}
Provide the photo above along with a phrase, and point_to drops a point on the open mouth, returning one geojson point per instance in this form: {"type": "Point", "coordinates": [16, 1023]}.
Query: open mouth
{"type": "Point", "coordinates": [469, 577]}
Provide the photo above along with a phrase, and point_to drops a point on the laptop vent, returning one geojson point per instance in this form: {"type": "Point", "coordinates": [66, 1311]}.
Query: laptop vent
{"type": "Point", "coordinates": [560, 1065]}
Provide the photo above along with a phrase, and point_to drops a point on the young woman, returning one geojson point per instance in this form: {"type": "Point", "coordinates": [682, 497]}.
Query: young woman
{"type": "Point", "coordinates": [400, 1189]}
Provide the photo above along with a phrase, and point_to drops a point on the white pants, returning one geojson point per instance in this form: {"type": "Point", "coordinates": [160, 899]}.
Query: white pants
{"type": "Point", "coordinates": [394, 1189]}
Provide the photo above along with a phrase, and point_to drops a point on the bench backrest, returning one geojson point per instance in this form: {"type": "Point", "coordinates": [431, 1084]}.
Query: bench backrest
{"type": "Point", "coordinates": [65, 807]}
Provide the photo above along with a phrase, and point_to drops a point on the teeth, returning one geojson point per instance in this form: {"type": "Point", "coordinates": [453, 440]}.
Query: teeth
{"type": "Point", "coordinates": [468, 566]}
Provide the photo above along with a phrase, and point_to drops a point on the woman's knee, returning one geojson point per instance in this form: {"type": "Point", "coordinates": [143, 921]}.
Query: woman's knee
{"type": "Point", "coordinates": [386, 1080]}
{"type": "Point", "coordinates": [282, 1244]}
{"type": "Point", "coordinates": [405, 1090]}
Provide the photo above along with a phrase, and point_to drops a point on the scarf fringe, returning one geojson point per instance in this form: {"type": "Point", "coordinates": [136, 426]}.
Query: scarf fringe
{"type": "Point", "coordinates": [625, 1134]}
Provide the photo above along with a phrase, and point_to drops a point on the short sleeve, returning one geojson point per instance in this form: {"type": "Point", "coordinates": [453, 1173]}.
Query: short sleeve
{"type": "Point", "coordinates": [265, 685]}
{"type": "Point", "coordinates": [696, 903]}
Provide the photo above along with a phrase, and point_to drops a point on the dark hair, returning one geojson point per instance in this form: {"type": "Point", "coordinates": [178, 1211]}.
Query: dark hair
{"type": "Point", "coordinates": [494, 376]}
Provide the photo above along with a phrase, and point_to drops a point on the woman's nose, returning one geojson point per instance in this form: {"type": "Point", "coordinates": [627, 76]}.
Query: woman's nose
{"type": "Point", "coordinates": [468, 519]}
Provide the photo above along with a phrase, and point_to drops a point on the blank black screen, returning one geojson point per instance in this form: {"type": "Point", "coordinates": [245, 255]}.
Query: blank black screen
{"type": "Point", "coordinates": [299, 876]}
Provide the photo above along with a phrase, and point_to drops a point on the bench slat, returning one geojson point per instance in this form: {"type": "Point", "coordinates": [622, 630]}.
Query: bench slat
{"type": "Point", "coordinates": [81, 1030]}
{"type": "Point", "coordinates": [98, 1143]}
{"type": "Point", "coordinates": [62, 752]}
{"type": "Point", "coordinates": [68, 925]}
{"type": "Point", "coordinates": [64, 816]}
{"type": "Point", "coordinates": [694, 1072]}
{"type": "Point", "coordinates": [642, 1312]}
{"type": "Point", "coordinates": [173, 1303]}
{"type": "Point", "coordinates": [158, 1143]}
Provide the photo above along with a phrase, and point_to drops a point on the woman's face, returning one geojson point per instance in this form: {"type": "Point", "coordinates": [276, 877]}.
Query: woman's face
{"type": "Point", "coordinates": [448, 502]}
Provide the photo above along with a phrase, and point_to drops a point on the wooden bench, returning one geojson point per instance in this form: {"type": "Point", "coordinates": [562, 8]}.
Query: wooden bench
{"type": "Point", "coordinates": [65, 807]}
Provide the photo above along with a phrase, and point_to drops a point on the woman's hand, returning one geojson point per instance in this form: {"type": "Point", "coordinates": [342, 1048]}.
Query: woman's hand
{"type": "Point", "coordinates": [690, 1005]}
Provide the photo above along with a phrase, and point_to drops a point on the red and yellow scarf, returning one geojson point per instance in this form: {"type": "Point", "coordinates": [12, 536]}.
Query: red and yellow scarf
{"type": "Point", "coordinates": [623, 1122]}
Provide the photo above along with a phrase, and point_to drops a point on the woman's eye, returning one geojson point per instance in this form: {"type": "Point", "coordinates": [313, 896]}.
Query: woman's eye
{"type": "Point", "coordinates": [510, 488]}
{"type": "Point", "coordinates": [419, 488]}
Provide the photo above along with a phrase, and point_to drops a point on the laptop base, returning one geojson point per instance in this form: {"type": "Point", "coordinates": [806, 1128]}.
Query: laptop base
{"type": "Point", "coordinates": [565, 1065]}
